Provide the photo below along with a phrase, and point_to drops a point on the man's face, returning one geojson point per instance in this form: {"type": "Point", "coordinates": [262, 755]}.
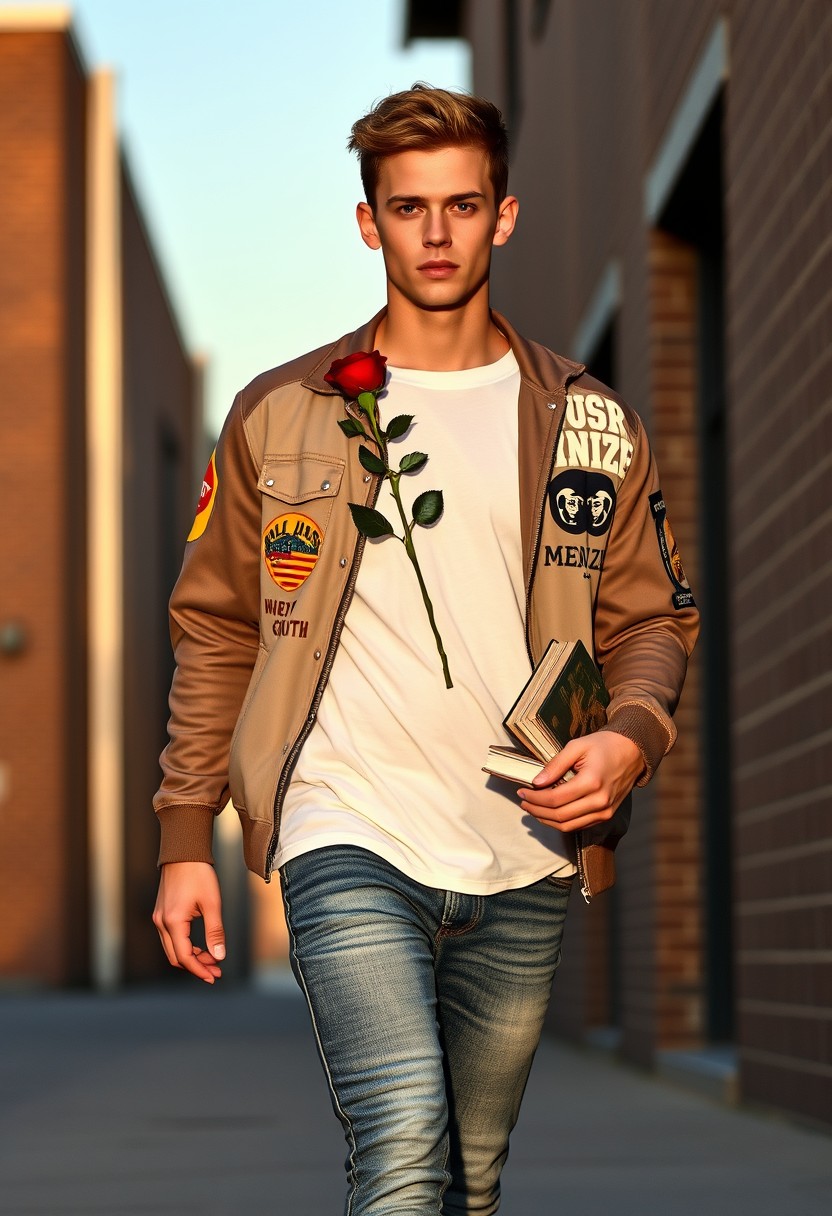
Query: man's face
{"type": "Point", "coordinates": [436, 221]}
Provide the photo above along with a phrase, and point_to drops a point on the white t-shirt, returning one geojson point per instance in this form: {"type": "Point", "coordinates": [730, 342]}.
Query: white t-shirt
{"type": "Point", "coordinates": [393, 762]}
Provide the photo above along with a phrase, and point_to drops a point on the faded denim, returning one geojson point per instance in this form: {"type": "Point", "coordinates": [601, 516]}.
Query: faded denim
{"type": "Point", "coordinates": [427, 1007]}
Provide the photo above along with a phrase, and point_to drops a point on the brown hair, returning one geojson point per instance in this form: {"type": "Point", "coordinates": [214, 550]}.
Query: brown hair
{"type": "Point", "coordinates": [426, 118]}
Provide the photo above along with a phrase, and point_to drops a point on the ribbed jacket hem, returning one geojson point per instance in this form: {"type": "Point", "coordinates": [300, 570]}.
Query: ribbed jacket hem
{"type": "Point", "coordinates": [187, 833]}
{"type": "Point", "coordinates": [652, 734]}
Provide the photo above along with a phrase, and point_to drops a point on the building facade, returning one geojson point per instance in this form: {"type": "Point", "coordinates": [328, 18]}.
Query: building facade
{"type": "Point", "coordinates": [101, 422]}
{"type": "Point", "coordinates": [674, 167]}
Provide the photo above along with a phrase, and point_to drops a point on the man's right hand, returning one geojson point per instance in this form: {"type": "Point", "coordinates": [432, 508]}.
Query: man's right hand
{"type": "Point", "coordinates": [188, 889]}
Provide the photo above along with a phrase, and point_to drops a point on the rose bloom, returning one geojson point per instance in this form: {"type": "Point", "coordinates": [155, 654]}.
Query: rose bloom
{"type": "Point", "coordinates": [357, 373]}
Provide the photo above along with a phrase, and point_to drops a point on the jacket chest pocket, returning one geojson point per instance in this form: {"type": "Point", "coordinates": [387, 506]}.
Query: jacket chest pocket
{"type": "Point", "coordinates": [298, 493]}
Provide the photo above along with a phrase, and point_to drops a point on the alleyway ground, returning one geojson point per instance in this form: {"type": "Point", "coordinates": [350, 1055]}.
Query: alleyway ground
{"type": "Point", "coordinates": [167, 1103]}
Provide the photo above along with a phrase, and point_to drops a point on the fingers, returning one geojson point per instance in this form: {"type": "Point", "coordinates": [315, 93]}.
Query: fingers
{"type": "Point", "coordinates": [190, 956]}
{"type": "Point", "coordinates": [187, 891]}
{"type": "Point", "coordinates": [583, 800]}
{"type": "Point", "coordinates": [570, 818]}
{"type": "Point", "coordinates": [604, 768]}
{"type": "Point", "coordinates": [167, 944]}
{"type": "Point", "coordinates": [571, 813]}
{"type": "Point", "coordinates": [214, 933]}
{"type": "Point", "coordinates": [558, 766]}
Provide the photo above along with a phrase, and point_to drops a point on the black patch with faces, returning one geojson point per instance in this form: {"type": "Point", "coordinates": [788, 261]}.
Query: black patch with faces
{"type": "Point", "coordinates": [582, 501]}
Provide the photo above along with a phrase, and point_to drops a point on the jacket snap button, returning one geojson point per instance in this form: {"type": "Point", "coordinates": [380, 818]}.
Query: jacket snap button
{"type": "Point", "coordinates": [367, 477]}
{"type": "Point", "coordinates": [553, 405]}
{"type": "Point", "coordinates": [270, 481]}
{"type": "Point", "coordinates": [325, 485]}
{"type": "Point", "coordinates": [317, 654]}
{"type": "Point", "coordinates": [342, 562]}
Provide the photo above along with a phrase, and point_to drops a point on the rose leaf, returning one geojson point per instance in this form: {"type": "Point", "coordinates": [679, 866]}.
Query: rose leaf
{"type": "Point", "coordinates": [370, 461]}
{"type": "Point", "coordinates": [398, 425]}
{"type": "Point", "coordinates": [428, 507]}
{"type": "Point", "coordinates": [351, 427]}
{"type": "Point", "coordinates": [412, 461]}
{"type": "Point", "coordinates": [370, 522]}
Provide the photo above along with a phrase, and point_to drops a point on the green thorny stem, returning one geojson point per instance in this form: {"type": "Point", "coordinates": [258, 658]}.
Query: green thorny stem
{"type": "Point", "coordinates": [379, 437]}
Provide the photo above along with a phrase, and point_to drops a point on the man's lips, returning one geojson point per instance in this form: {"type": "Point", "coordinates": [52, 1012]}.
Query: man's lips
{"type": "Point", "coordinates": [438, 270]}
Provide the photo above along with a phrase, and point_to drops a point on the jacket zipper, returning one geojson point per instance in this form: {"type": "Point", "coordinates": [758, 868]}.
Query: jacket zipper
{"type": "Point", "coordinates": [538, 533]}
{"type": "Point", "coordinates": [579, 861]}
{"type": "Point", "coordinates": [312, 710]}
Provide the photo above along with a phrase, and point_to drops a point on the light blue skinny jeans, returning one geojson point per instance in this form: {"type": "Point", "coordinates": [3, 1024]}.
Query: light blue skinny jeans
{"type": "Point", "coordinates": [427, 1007]}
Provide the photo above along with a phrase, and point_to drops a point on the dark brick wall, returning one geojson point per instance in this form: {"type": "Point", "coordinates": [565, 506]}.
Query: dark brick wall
{"type": "Point", "coordinates": [677, 856]}
{"type": "Point", "coordinates": [780, 337]}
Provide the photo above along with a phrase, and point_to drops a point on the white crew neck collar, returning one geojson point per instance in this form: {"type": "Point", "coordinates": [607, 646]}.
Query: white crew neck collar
{"type": "Point", "coordinates": [469, 377]}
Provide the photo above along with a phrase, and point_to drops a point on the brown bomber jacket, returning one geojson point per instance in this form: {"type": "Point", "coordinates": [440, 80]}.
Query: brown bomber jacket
{"type": "Point", "coordinates": [253, 655]}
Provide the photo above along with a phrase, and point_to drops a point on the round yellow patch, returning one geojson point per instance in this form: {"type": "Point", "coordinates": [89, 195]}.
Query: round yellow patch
{"type": "Point", "coordinates": [207, 496]}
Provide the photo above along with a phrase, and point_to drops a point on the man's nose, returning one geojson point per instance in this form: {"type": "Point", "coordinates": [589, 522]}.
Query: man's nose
{"type": "Point", "coordinates": [437, 230]}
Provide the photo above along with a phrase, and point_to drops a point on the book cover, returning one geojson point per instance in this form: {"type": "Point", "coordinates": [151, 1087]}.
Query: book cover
{"type": "Point", "coordinates": [564, 698]}
{"type": "Point", "coordinates": [576, 703]}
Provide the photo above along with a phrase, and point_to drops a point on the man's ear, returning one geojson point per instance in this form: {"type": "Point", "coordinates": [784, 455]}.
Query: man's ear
{"type": "Point", "coordinates": [367, 226]}
{"type": "Point", "coordinates": [506, 219]}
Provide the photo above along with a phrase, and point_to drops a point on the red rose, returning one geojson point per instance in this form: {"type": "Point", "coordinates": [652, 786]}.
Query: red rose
{"type": "Point", "coordinates": [358, 373]}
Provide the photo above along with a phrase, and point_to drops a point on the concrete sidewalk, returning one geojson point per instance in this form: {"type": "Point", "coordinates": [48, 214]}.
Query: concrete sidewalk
{"type": "Point", "coordinates": [213, 1102]}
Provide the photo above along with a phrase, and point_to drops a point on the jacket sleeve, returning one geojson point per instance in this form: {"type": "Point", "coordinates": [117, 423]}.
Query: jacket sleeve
{"type": "Point", "coordinates": [646, 622]}
{"type": "Point", "coordinates": [215, 634]}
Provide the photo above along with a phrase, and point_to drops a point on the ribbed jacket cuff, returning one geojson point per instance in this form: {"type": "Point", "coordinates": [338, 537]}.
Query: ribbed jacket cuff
{"type": "Point", "coordinates": [187, 833]}
{"type": "Point", "coordinates": [652, 734]}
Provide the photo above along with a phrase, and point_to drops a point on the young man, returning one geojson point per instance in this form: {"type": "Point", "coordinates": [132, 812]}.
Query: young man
{"type": "Point", "coordinates": [425, 902]}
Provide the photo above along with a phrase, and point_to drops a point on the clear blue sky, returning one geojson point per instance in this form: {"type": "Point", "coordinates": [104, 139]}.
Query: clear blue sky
{"type": "Point", "coordinates": [235, 118]}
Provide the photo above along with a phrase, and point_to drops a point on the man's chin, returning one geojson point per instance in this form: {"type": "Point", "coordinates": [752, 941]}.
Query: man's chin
{"type": "Point", "coordinates": [444, 301]}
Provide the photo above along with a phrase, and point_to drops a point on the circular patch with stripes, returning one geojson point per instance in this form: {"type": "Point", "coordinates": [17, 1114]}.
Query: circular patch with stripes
{"type": "Point", "coordinates": [291, 545]}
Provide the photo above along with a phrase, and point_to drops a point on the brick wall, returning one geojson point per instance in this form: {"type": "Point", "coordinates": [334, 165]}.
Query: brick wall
{"type": "Point", "coordinates": [780, 335]}
{"type": "Point", "coordinates": [44, 868]}
{"type": "Point", "coordinates": [678, 860]}
{"type": "Point", "coordinates": [42, 540]}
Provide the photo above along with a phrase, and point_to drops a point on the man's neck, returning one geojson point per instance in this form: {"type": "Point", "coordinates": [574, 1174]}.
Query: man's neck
{"type": "Point", "coordinates": [442, 340]}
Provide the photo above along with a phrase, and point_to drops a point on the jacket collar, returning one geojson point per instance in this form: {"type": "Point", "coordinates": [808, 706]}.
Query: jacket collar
{"type": "Point", "coordinates": [542, 370]}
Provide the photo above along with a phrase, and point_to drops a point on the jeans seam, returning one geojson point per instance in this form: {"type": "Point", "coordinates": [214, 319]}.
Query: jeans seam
{"type": "Point", "coordinates": [342, 1114]}
{"type": "Point", "coordinates": [447, 930]}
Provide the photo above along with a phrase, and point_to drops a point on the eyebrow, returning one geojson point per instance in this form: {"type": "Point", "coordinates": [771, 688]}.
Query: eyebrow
{"type": "Point", "coordinates": [418, 198]}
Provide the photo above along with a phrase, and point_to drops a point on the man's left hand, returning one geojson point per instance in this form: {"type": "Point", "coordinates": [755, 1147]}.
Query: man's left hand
{"type": "Point", "coordinates": [606, 765]}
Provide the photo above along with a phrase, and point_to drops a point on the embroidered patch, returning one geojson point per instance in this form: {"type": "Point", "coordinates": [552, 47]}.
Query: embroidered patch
{"type": "Point", "coordinates": [582, 502]}
{"type": "Point", "coordinates": [291, 546]}
{"type": "Point", "coordinates": [207, 498]}
{"type": "Point", "coordinates": [594, 435]}
{"type": "Point", "coordinates": [682, 595]}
